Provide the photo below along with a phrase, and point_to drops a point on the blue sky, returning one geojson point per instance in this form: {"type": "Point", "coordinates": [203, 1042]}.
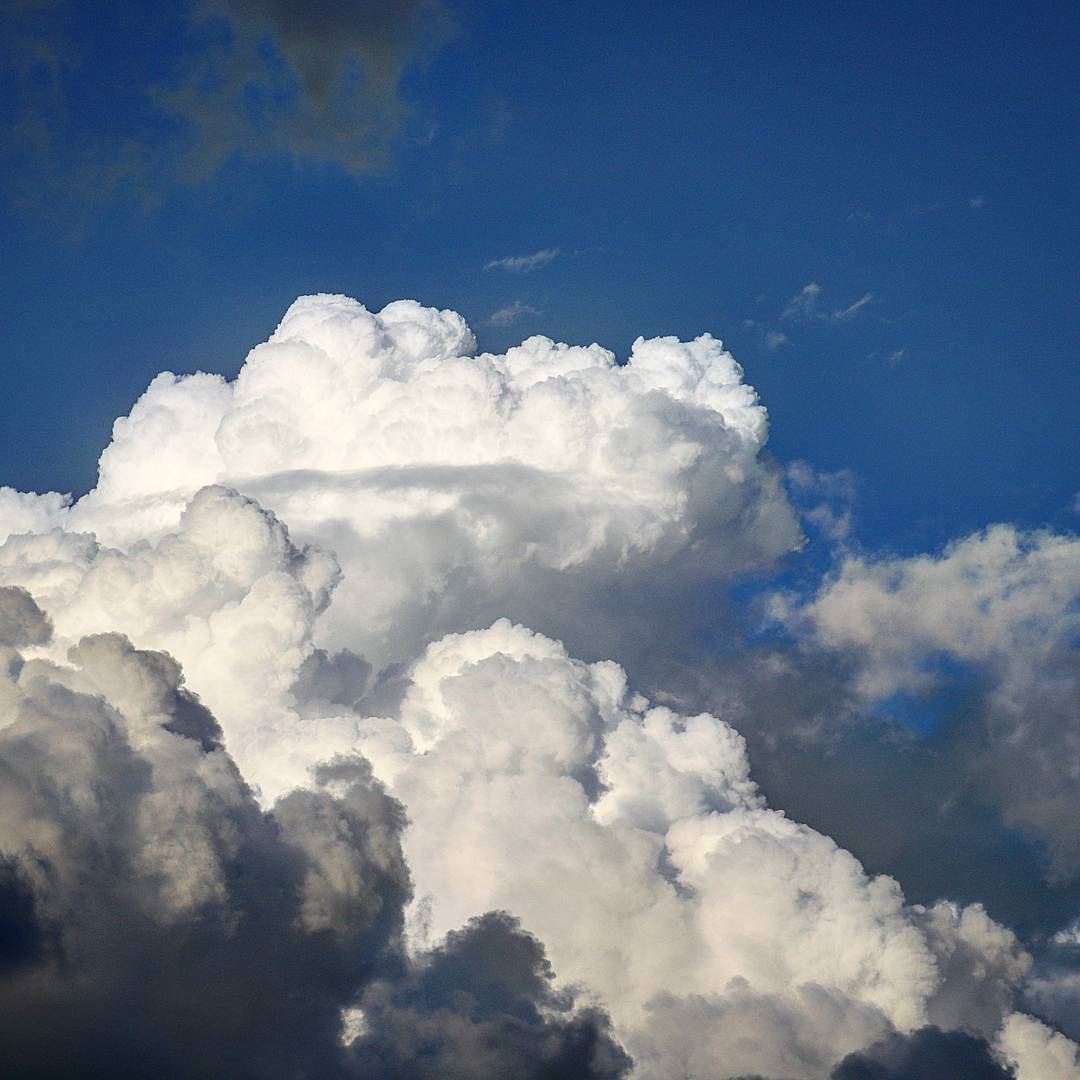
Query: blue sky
{"type": "Point", "coordinates": [694, 167]}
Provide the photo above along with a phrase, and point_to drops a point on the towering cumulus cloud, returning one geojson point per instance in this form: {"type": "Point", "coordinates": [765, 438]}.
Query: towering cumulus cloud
{"type": "Point", "coordinates": [300, 775]}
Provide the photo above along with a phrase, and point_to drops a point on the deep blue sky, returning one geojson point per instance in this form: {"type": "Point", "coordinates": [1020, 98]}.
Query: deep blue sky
{"type": "Point", "coordinates": [695, 166]}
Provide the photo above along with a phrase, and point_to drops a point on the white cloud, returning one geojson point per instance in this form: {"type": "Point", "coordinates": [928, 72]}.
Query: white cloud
{"type": "Point", "coordinates": [999, 595]}
{"type": "Point", "coordinates": [690, 899]}
{"type": "Point", "coordinates": [449, 488]}
{"type": "Point", "coordinates": [1036, 1051]}
{"type": "Point", "coordinates": [524, 264]}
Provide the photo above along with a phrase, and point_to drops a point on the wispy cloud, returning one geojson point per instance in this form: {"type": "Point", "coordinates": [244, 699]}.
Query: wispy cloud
{"type": "Point", "coordinates": [976, 202]}
{"type": "Point", "coordinates": [523, 264]}
{"type": "Point", "coordinates": [804, 306]}
{"type": "Point", "coordinates": [775, 339]}
{"type": "Point", "coordinates": [841, 314]}
{"type": "Point", "coordinates": [511, 313]}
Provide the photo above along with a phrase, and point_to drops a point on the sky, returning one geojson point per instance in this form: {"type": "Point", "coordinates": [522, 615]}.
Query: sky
{"type": "Point", "coordinates": [694, 169]}
{"type": "Point", "coordinates": [531, 531]}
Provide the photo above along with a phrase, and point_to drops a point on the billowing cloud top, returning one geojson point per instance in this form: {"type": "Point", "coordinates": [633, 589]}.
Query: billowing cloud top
{"type": "Point", "coordinates": [455, 489]}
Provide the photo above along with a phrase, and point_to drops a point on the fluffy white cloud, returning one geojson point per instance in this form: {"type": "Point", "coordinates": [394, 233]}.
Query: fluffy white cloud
{"type": "Point", "coordinates": [454, 488]}
{"type": "Point", "coordinates": [999, 595]}
{"type": "Point", "coordinates": [633, 842]}
{"type": "Point", "coordinates": [1036, 1051]}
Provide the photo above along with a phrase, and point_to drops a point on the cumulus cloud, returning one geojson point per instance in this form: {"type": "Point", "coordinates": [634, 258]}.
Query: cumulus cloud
{"type": "Point", "coordinates": [549, 484]}
{"type": "Point", "coordinates": [1037, 1051]}
{"type": "Point", "coordinates": [483, 1004]}
{"type": "Point", "coordinates": [694, 906]}
{"type": "Point", "coordinates": [151, 912]}
{"type": "Point", "coordinates": [305, 722]}
{"type": "Point", "coordinates": [1000, 603]}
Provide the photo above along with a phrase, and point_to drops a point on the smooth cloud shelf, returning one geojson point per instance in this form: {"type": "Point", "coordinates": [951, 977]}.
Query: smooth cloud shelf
{"type": "Point", "coordinates": [292, 719]}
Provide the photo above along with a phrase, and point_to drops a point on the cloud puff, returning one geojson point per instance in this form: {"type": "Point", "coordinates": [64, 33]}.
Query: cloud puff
{"type": "Point", "coordinates": [482, 1004]}
{"type": "Point", "coordinates": [326, 90]}
{"type": "Point", "coordinates": [227, 592]}
{"type": "Point", "coordinates": [1037, 1051]}
{"type": "Point", "coordinates": [1002, 603]}
{"type": "Point", "coordinates": [996, 595]}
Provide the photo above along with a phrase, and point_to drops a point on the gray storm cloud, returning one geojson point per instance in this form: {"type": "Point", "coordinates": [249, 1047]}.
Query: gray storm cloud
{"type": "Point", "coordinates": [306, 706]}
{"type": "Point", "coordinates": [318, 81]}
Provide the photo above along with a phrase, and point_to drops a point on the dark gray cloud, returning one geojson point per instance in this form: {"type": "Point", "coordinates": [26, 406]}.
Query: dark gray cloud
{"type": "Point", "coordinates": [316, 81]}
{"type": "Point", "coordinates": [922, 1055]}
{"type": "Point", "coordinates": [483, 1004]}
{"type": "Point", "coordinates": [22, 622]}
{"type": "Point", "coordinates": [220, 79]}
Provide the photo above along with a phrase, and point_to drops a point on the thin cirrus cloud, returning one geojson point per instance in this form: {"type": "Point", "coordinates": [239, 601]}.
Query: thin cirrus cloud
{"type": "Point", "coordinates": [292, 700]}
{"type": "Point", "coordinates": [805, 306]}
{"type": "Point", "coordinates": [524, 264]}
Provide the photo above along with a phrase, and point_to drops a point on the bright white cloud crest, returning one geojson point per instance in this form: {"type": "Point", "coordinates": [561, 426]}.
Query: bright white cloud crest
{"type": "Point", "coordinates": [342, 548]}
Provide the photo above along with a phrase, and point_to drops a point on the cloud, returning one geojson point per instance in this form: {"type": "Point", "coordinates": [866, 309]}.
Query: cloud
{"type": "Point", "coordinates": [524, 264]}
{"type": "Point", "coordinates": [849, 312]}
{"type": "Point", "coordinates": [306, 721]}
{"type": "Point", "coordinates": [137, 871]}
{"type": "Point", "coordinates": [1003, 604]}
{"type": "Point", "coordinates": [976, 202]}
{"type": "Point", "coordinates": [774, 339]}
{"type": "Point", "coordinates": [22, 622]}
{"type": "Point", "coordinates": [804, 306]}
{"type": "Point", "coordinates": [451, 489]}
{"type": "Point", "coordinates": [253, 79]}
{"type": "Point", "coordinates": [824, 500]}
{"type": "Point", "coordinates": [329, 91]}
{"type": "Point", "coordinates": [511, 313]}
{"type": "Point", "coordinates": [924, 1053]}
{"type": "Point", "coordinates": [483, 1004]}
{"type": "Point", "coordinates": [1037, 1051]}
